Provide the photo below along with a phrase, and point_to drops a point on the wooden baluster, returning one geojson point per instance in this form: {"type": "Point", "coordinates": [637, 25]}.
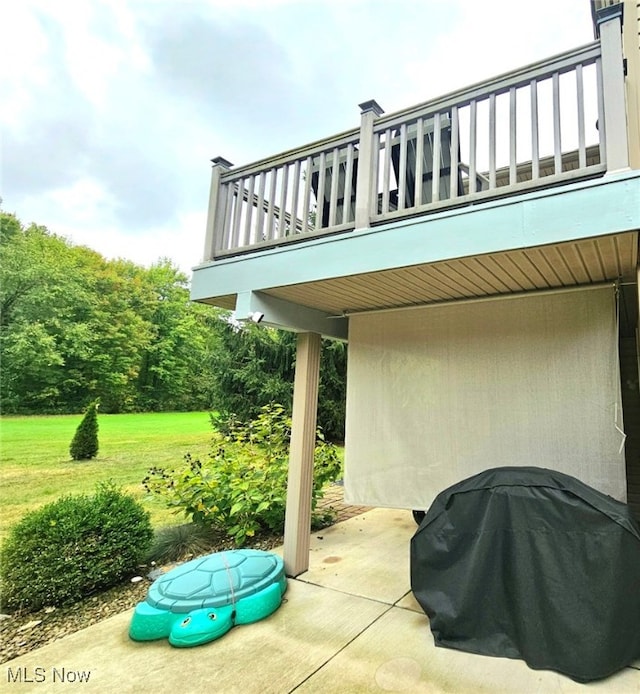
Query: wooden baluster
{"type": "Point", "coordinates": [335, 179]}
{"type": "Point", "coordinates": [294, 199]}
{"type": "Point", "coordinates": [306, 200]}
{"type": "Point", "coordinates": [557, 142]}
{"type": "Point", "coordinates": [402, 182]}
{"type": "Point", "coordinates": [435, 180]}
{"type": "Point", "coordinates": [249, 213]}
{"type": "Point", "coordinates": [348, 192]}
{"type": "Point", "coordinates": [513, 155]}
{"type": "Point", "coordinates": [455, 153]}
{"type": "Point", "coordinates": [269, 231]}
{"type": "Point", "coordinates": [473, 127]}
{"type": "Point", "coordinates": [417, 189]}
{"type": "Point", "coordinates": [386, 171]}
{"type": "Point", "coordinates": [535, 133]}
{"type": "Point", "coordinates": [282, 215]}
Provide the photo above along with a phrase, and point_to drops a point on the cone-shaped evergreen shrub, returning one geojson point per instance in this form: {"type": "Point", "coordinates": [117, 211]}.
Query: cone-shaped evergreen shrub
{"type": "Point", "coordinates": [85, 441]}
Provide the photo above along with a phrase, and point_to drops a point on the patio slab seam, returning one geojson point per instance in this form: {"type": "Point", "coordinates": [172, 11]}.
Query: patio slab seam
{"type": "Point", "coordinates": [344, 646]}
{"type": "Point", "coordinates": [346, 592]}
{"type": "Point", "coordinates": [404, 607]}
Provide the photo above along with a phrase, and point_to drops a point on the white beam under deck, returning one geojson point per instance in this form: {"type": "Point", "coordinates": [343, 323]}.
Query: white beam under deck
{"type": "Point", "coordinates": [278, 313]}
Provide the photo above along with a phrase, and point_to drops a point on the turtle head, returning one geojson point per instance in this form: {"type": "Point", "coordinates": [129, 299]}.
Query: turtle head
{"type": "Point", "coordinates": [201, 626]}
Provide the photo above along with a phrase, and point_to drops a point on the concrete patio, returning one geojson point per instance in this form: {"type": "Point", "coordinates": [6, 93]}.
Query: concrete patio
{"type": "Point", "coordinates": [349, 624]}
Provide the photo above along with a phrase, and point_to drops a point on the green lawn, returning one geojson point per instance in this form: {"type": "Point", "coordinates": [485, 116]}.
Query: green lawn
{"type": "Point", "coordinates": [36, 467]}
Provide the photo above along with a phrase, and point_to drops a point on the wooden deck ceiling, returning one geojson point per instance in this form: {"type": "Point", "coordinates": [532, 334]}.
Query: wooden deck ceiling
{"type": "Point", "coordinates": [589, 261]}
{"type": "Point", "coordinates": [584, 262]}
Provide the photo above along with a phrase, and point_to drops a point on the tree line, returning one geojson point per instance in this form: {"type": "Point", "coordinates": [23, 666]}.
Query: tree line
{"type": "Point", "coordinates": [76, 327]}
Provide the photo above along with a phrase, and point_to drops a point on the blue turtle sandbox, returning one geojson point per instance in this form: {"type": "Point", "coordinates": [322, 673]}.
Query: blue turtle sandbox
{"type": "Point", "coordinates": [199, 601]}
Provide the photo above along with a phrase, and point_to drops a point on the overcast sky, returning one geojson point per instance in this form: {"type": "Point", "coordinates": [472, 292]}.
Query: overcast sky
{"type": "Point", "coordinates": [112, 109]}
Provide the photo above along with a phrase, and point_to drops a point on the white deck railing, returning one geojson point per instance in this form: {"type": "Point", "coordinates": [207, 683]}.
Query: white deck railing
{"type": "Point", "coordinates": [539, 126]}
{"type": "Point", "coordinates": [533, 127]}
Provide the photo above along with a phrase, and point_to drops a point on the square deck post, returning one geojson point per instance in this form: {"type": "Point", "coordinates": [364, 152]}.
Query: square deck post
{"type": "Point", "coordinates": [216, 211]}
{"type": "Point", "coordinates": [609, 27]}
{"type": "Point", "coordinates": [367, 164]}
{"type": "Point", "coordinates": [297, 526]}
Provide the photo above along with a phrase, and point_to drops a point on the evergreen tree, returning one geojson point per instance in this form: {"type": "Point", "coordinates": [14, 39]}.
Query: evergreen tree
{"type": "Point", "coordinates": [85, 441]}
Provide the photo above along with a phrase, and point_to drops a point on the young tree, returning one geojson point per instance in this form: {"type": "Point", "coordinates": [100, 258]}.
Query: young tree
{"type": "Point", "coordinates": [85, 441]}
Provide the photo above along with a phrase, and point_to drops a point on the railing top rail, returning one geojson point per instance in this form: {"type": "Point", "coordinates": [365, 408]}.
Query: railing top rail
{"type": "Point", "coordinates": [563, 62]}
{"type": "Point", "coordinates": [290, 156]}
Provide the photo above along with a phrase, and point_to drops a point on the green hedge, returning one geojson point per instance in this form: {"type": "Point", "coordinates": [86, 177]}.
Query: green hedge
{"type": "Point", "coordinates": [72, 548]}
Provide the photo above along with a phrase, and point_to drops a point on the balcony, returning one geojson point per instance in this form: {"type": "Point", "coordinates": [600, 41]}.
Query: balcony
{"type": "Point", "coordinates": [558, 121]}
{"type": "Point", "coordinates": [516, 184]}
{"type": "Point", "coordinates": [525, 183]}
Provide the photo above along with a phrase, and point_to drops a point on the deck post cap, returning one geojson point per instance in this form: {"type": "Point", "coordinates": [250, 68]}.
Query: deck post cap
{"type": "Point", "coordinates": [605, 14]}
{"type": "Point", "coordinates": [371, 106]}
{"type": "Point", "coordinates": [221, 161]}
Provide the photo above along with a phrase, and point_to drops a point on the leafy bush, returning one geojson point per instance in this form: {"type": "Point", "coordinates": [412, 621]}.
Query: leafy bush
{"type": "Point", "coordinates": [85, 441]}
{"type": "Point", "coordinates": [242, 487]}
{"type": "Point", "coordinates": [71, 548]}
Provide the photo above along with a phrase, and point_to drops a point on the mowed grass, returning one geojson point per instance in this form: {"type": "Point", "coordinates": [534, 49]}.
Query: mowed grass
{"type": "Point", "coordinates": [36, 468]}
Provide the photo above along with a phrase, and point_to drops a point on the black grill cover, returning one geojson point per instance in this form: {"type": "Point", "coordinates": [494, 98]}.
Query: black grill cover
{"type": "Point", "coordinates": [524, 562]}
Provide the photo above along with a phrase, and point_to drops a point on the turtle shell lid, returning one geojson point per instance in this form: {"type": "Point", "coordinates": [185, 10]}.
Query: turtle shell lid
{"type": "Point", "coordinates": [218, 579]}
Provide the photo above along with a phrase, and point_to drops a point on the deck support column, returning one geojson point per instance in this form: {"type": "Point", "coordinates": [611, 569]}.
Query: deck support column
{"type": "Point", "coordinates": [297, 526]}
